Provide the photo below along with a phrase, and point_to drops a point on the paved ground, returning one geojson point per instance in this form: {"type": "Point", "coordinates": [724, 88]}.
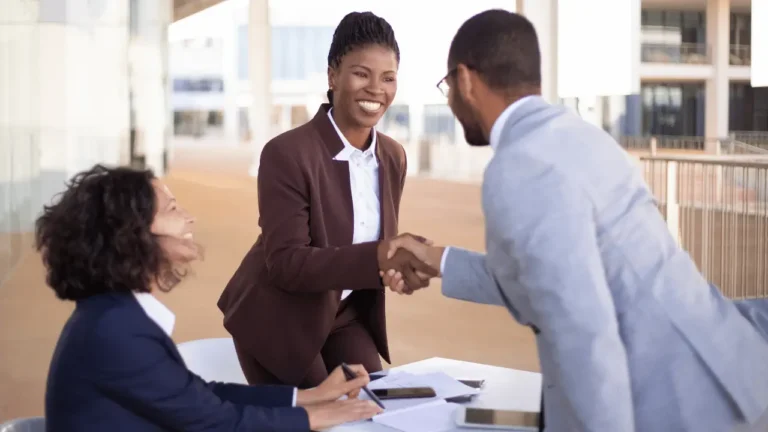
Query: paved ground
{"type": "Point", "coordinates": [213, 185]}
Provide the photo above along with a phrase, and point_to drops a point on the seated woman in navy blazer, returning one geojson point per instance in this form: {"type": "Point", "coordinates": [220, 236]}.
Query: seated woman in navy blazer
{"type": "Point", "coordinates": [112, 239]}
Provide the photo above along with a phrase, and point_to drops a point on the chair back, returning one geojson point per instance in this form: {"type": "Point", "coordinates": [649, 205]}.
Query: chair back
{"type": "Point", "coordinates": [213, 360]}
{"type": "Point", "coordinates": [32, 424]}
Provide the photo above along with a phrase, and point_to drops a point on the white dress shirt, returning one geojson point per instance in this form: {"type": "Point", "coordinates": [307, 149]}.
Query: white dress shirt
{"type": "Point", "coordinates": [165, 319]}
{"type": "Point", "coordinates": [496, 129]}
{"type": "Point", "coordinates": [364, 183]}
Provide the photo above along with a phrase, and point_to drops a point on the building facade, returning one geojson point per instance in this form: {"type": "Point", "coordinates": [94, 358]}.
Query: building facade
{"type": "Point", "coordinates": [694, 54]}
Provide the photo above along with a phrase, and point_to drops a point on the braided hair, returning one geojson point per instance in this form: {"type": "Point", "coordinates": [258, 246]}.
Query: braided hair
{"type": "Point", "coordinates": [356, 30]}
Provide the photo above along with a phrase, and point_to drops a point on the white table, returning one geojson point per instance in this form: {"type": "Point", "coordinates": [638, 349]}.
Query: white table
{"type": "Point", "coordinates": [506, 389]}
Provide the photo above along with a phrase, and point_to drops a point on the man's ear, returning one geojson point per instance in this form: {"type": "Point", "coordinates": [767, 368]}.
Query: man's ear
{"type": "Point", "coordinates": [465, 81]}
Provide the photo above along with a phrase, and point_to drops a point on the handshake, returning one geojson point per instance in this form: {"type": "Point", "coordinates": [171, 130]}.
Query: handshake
{"type": "Point", "coordinates": [407, 262]}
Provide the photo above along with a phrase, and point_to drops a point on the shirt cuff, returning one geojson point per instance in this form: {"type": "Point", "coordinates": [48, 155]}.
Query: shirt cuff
{"type": "Point", "coordinates": [295, 395]}
{"type": "Point", "coordinates": [442, 260]}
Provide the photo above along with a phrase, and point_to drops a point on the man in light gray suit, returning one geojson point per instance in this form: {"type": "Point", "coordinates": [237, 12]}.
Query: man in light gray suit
{"type": "Point", "coordinates": [630, 336]}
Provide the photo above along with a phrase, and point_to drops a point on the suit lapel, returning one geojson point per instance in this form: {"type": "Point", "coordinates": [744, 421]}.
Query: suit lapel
{"type": "Point", "coordinates": [167, 341]}
{"type": "Point", "coordinates": [386, 203]}
{"type": "Point", "coordinates": [340, 172]}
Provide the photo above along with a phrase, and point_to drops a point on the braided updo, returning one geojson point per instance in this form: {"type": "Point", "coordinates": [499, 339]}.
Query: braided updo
{"type": "Point", "coordinates": [356, 30]}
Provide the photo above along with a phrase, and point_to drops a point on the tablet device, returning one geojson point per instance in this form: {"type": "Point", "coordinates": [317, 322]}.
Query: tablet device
{"type": "Point", "coordinates": [522, 421]}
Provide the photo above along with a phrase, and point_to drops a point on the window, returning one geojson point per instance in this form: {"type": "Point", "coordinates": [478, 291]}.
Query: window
{"type": "Point", "coordinates": [675, 109]}
{"type": "Point", "coordinates": [298, 52]}
{"type": "Point", "coordinates": [748, 108]}
{"type": "Point", "coordinates": [741, 29]}
{"type": "Point", "coordinates": [198, 85]}
{"type": "Point", "coordinates": [673, 27]}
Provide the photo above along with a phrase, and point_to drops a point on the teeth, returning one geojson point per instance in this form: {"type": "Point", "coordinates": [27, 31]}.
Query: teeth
{"type": "Point", "coordinates": [369, 106]}
{"type": "Point", "coordinates": [188, 236]}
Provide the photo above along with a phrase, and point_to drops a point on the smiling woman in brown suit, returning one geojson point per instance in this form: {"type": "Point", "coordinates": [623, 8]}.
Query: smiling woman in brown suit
{"type": "Point", "coordinates": [308, 295]}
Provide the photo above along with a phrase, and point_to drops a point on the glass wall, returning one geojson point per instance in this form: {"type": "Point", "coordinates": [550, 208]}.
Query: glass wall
{"type": "Point", "coordinates": [741, 39]}
{"type": "Point", "coordinates": [673, 36]}
{"type": "Point", "coordinates": [748, 107]}
{"type": "Point", "coordinates": [298, 52]}
{"type": "Point", "coordinates": [675, 109]}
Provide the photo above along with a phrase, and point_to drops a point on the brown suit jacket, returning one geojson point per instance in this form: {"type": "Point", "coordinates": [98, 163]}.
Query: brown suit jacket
{"type": "Point", "coordinates": [281, 303]}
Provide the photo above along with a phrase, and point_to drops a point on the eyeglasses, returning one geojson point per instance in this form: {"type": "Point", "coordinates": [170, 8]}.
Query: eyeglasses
{"type": "Point", "coordinates": [442, 85]}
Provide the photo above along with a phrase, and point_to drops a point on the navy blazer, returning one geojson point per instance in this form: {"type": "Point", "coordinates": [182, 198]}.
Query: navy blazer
{"type": "Point", "coordinates": [115, 370]}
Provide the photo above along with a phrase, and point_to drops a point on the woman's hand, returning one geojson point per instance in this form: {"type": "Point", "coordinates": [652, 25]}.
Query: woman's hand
{"type": "Point", "coordinates": [334, 387]}
{"type": "Point", "coordinates": [331, 414]}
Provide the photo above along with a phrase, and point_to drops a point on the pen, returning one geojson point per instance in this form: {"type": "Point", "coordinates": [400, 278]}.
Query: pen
{"type": "Point", "coordinates": [351, 375]}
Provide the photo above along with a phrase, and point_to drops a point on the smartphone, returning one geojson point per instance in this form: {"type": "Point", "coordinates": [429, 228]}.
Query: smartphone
{"type": "Point", "coordinates": [497, 419]}
{"type": "Point", "coordinates": [477, 384]}
{"type": "Point", "coordinates": [405, 393]}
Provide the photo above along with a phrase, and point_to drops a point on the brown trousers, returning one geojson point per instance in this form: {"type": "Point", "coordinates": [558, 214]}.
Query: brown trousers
{"type": "Point", "coordinates": [349, 342]}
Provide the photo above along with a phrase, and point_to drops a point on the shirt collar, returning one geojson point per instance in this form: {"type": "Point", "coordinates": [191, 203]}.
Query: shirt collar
{"type": "Point", "coordinates": [498, 125]}
{"type": "Point", "coordinates": [349, 149]}
{"type": "Point", "coordinates": [157, 312]}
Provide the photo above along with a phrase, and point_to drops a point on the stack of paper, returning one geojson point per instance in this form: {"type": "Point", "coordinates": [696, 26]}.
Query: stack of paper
{"type": "Point", "coordinates": [420, 415]}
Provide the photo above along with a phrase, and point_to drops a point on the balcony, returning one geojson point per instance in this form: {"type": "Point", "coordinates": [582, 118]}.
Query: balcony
{"type": "Point", "coordinates": [679, 53]}
{"type": "Point", "coordinates": [741, 55]}
{"type": "Point", "coordinates": [717, 208]}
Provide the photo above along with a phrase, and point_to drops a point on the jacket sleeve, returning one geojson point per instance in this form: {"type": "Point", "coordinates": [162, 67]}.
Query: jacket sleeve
{"type": "Point", "coordinates": [292, 264]}
{"type": "Point", "coordinates": [466, 277]}
{"type": "Point", "coordinates": [403, 167]}
{"type": "Point", "coordinates": [135, 369]}
{"type": "Point", "coordinates": [267, 396]}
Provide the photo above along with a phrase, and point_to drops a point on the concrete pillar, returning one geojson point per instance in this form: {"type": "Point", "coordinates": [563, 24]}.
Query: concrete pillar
{"type": "Point", "coordinates": [64, 89]}
{"type": "Point", "coordinates": [230, 76]}
{"type": "Point", "coordinates": [259, 71]}
{"type": "Point", "coordinates": [718, 40]}
{"type": "Point", "coordinates": [543, 15]}
{"type": "Point", "coordinates": [617, 113]}
{"type": "Point", "coordinates": [148, 77]}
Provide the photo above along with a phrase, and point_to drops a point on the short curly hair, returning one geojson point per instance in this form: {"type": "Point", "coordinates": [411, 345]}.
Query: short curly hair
{"type": "Point", "coordinates": [357, 30]}
{"type": "Point", "coordinates": [96, 237]}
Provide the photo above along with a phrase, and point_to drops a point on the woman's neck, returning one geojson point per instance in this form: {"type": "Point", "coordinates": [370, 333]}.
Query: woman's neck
{"type": "Point", "coordinates": [358, 137]}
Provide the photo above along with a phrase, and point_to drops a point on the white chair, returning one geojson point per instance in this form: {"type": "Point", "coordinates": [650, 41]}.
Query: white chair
{"type": "Point", "coordinates": [32, 424]}
{"type": "Point", "coordinates": [213, 360]}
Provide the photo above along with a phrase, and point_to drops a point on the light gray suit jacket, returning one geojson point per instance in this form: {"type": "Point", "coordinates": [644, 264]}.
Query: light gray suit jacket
{"type": "Point", "coordinates": [631, 336]}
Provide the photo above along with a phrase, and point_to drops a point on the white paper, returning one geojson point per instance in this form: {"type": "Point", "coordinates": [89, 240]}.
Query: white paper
{"type": "Point", "coordinates": [423, 414]}
{"type": "Point", "coordinates": [437, 416]}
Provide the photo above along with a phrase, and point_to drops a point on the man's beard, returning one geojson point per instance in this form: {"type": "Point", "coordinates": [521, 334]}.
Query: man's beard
{"type": "Point", "coordinates": [473, 133]}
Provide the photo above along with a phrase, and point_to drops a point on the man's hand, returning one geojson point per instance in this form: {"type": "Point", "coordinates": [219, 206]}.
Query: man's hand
{"type": "Point", "coordinates": [331, 414]}
{"type": "Point", "coordinates": [414, 272]}
{"type": "Point", "coordinates": [426, 253]}
{"type": "Point", "coordinates": [334, 387]}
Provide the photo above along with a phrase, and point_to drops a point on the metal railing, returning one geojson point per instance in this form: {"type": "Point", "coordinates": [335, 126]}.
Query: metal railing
{"type": "Point", "coordinates": [717, 208]}
{"type": "Point", "coordinates": [680, 53]}
{"type": "Point", "coordinates": [653, 143]}
{"type": "Point", "coordinates": [753, 138]}
{"type": "Point", "coordinates": [735, 147]}
{"type": "Point", "coordinates": [741, 55]}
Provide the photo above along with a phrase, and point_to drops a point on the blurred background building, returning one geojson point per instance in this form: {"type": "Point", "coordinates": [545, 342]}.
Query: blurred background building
{"type": "Point", "coordinates": [132, 81]}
